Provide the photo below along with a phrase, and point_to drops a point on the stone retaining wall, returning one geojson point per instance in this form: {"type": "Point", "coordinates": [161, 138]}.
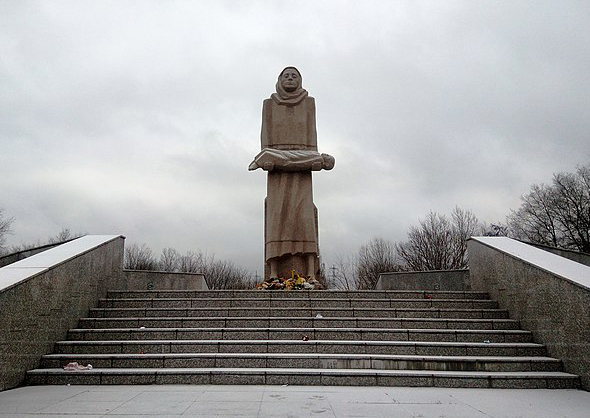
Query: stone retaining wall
{"type": "Point", "coordinates": [43, 296]}
{"type": "Point", "coordinates": [448, 280]}
{"type": "Point", "coordinates": [161, 280]}
{"type": "Point", "coordinates": [548, 294]}
{"type": "Point", "coordinates": [576, 256]}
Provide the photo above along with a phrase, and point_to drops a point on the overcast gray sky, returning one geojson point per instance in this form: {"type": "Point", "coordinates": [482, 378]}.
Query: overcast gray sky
{"type": "Point", "coordinates": [140, 117]}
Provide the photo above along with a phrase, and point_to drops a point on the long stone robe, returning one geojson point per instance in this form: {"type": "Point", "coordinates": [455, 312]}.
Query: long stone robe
{"type": "Point", "coordinates": [290, 215]}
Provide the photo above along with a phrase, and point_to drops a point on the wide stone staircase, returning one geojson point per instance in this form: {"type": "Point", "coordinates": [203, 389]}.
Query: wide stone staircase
{"type": "Point", "coordinates": [392, 338]}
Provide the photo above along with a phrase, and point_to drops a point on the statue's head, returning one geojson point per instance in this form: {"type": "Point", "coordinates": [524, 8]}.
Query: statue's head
{"type": "Point", "coordinates": [289, 89]}
{"type": "Point", "coordinates": [290, 79]}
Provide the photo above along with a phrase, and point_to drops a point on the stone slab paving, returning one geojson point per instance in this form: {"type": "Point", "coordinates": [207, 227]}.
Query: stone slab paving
{"type": "Point", "coordinates": [289, 402]}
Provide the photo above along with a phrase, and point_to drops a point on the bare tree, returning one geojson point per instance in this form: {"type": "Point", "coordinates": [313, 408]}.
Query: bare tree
{"type": "Point", "coordinates": [556, 214]}
{"type": "Point", "coordinates": [140, 258]}
{"type": "Point", "coordinates": [438, 243]}
{"type": "Point", "coordinates": [220, 274]}
{"type": "Point", "coordinates": [64, 235]}
{"type": "Point", "coordinates": [169, 260]}
{"type": "Point", "coordinates": [464, 225]}
{"type": "Point", "coordinates": [342, 274]}
{"type": "Point", "coordinates": [495, 230]}
{"type": "Point", "coordinates": [535, 220]}
{"type": "Point", "coordinates": [192, 262]}
{"type": "Point", "coordinates": [375, 257]}
{"type": "Point", "coordinates": [5, 224]}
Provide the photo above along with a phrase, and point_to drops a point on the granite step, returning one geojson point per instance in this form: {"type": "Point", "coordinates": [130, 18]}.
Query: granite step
{"type": "Point", "coordinates": [464, 313]}
{"type": "Point", "coordinates": [286, 303]}
{"type": "Point", "coordinates": [425, 348]}
{"type": "Point", "coordinates": [297, 376]}
{"type": "Point", "coordinates": [403, 338]}
{"type": "Point", "coordinates": [299, 294]}
{"type": "Point", "coordinates": [307, 361]}
{"type": "Point", "coordinates": [357, 334]}
{"type": "Point", "coordinates": [292, 322]}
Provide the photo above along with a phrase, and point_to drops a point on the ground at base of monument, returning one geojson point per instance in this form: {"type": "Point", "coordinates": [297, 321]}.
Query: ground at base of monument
{"type": "Point", "coordinates": [296, 282]}
{"type": "Point", "coordinates": [290, 401]}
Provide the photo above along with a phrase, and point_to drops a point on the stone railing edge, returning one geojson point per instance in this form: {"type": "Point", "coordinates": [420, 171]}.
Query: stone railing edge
{"type": "Point", "coordinates": [42, 262]}
{"type": "Point", "coordinates": [572, 271]}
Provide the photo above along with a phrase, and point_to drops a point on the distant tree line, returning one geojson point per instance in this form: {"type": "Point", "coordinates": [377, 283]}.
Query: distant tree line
{"type": "Point", "coordinates": [556, 215]}
{"type": "Point", "coordinates": [4, 230]}
{"type": "Point", "coordinates": [220, 274]}
{"type": "Point", "coordinates": [438, 242]}
{"type": "Point", "coordinates": [5, 223]}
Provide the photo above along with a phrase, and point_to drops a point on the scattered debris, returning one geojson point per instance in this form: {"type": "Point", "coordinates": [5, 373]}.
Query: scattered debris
{"type": "Point", "coordinates": [305, 338]}
{"type": "Point", "coordinates": [427, 296]}
{"type": "Point", "coordinates": [295, 282]}
{"type": "Point", "coordinates": [74, 366]}
{"type": "Point", "coordinates": [319, 315]}
{"type": "Point", "coordinates": [487, 342]}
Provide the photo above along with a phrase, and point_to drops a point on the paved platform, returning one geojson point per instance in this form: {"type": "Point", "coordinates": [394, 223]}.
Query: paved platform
{"type": "Point", "coordinates": [169, 401]}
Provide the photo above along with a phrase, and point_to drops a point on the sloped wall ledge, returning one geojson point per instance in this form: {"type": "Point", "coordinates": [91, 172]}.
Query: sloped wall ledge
{"type": "Point", "coordinates": [43, 296]}
{"type": "Point", "coordinates": [548, 294]}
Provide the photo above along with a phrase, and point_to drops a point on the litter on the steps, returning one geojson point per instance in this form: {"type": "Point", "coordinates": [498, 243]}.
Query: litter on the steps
{"type": "Point", "coordinates": [295, 282]}
{"type": "Point", "coordinates": [305, 338]}
{"type": "Point", "coordinates": [74, 366]}
{"type": "Point", "coordinates": [319, 315]}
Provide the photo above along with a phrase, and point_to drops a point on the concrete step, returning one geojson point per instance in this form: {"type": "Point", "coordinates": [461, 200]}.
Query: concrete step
{"type": "Point", "coordinates": [296, 376]}
{"type": "Point", "coordinates": [421, 348]}
{"type": "Point", "coordinates": [292, 322]}
{"type": "Point", "coordinates": [287, 303]}
{"type": "Point", "coordinates": [301, 312]}
{"type": "Point", "coordinates": [307, 361]}
{"type": "Point", "coordinates": [357, 334]}
{"type": "Point", "coordinates": [301, 294]}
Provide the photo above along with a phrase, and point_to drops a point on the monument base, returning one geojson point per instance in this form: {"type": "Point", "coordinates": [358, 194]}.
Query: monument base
{"type": "Point", "coordinates": [288, 263]}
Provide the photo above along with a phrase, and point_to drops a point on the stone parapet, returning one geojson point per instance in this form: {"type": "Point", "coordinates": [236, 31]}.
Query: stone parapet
{"type": "Point", "coordinates": [577, 256]}
{"type": "Point", "coordinates": [160, 280]}
{"type": "Point", "coordinates": [548, 294]}
{"type": "Point", "coordinates": [444, 280]}
{"type": "Point", "coordinates": [43, 296]}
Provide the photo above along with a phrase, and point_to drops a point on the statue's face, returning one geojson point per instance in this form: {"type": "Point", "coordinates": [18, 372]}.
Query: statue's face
{"type": "Point", "coordinates": [290, 80]}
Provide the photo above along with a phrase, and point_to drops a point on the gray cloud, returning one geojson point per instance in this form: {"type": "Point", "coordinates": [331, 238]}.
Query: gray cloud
{"type": "Point", "coordinates": [140, 118]}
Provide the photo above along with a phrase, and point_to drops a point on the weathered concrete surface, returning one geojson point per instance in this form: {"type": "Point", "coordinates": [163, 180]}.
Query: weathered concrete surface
{"type": "Point", "coordinates": [545, 292]}
{"type": "Point", "coordinates": [290, 401]}
{"type": "Point", "coordinates": [450, 280]}
{"type": "Point", "coordinates": [44, 295]}
{"type": "Point", "coordinates": [160, 280]}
